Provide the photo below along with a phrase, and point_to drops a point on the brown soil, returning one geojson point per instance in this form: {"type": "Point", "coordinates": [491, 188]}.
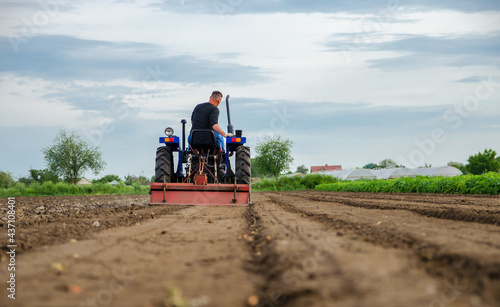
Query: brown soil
{"type": "Point", "coordinates": [287, 249]}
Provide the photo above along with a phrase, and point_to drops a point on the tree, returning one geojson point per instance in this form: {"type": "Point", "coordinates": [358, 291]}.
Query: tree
{"type": "Point", "coordinates": [26, 180]}
{"type": "Point", "coordinates": [302, 169]}
{"type": "Point", "coordinates": [70, 156]}
{"type": "Point", "coordinates": [370, 166]}
{"type": "Point", "coordinates": [255, 168]}
{"type": "Point", "coordinates": [483, 162]}
{"type": "Point", "coordinates": [141, 180]}
{"type": "Point", "coordinates": [274, 155]}
{"type": "Point", "coordinates": [43, 175]}
{"type": "Point", "coordinates": [107, 179]}
{"type": "Point", "coordinates": [6, 180]}
{"type": "Point", "coordinates": [387, 163]}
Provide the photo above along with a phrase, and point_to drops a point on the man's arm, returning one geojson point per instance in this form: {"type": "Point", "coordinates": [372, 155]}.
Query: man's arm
{"type": "Point", "coordinates": [217, 128]}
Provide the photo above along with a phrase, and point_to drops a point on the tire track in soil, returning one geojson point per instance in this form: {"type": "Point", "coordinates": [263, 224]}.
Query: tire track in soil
{"type": "Point", "coordinates": [267, 263]}
{"type": "Point", "coordinates": [461, 208]}
{"type": "Point", "coordinates": [445, 249]}
{"type": "Point", "coordinates": [303, 263]}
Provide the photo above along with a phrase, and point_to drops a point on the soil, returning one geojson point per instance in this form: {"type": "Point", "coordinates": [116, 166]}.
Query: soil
{"type": "Point", "coordinates": [302, 248]}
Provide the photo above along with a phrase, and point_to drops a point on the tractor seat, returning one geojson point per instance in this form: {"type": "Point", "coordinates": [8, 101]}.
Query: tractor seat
{"type": "Point", "coordinates": [203, 140]}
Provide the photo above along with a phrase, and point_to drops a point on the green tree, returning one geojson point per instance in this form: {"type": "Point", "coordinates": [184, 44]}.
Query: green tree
{"type": "Point", "coordinates": [370, 166]}
{"type": "Point", "coordinates": [107, 179]}
{"type": "Point", "coordinates": [483, 162]}
{"type": "Point", "coordinates": [43, 175]}
{"type": "Point", "coordinates": [255, 168]}
{"type": "Point", "coordinates": [129, 179]}
{"type": "Point", "coordinates": [302, 169]}
{"type": "Point", "coordinates": [387, 163]}
{"type": "Point", "coordinates": [132, 179]}
{"type": "Point", "coordinates": [26, 180]}
{"type": "Point", "coordinates": [274, 155]}
{"type": "Point", "coordinates": [6, 180]}
{"type": "Point", "coordinates": [143, 180]}
{"type": "Point", "coordinates": [70, 156]}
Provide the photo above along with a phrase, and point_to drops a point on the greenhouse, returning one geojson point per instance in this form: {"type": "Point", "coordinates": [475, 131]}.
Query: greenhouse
{"type": "Point", "coordinates": [445, 171]}
{"type": "Point", "coordinates": [352, 174]}
{"type": "Point", "coordinates": [392, 173]}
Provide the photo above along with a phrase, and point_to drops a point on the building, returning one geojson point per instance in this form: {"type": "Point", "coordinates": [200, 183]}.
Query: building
{"type": "Point", "coordinates": [326, 167]}
{"type": "Point", "coordinates": [84, 181]}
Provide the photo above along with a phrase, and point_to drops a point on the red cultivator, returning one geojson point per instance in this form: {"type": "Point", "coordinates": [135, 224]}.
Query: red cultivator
{"type": "Point", "coordinates": [193, 194]}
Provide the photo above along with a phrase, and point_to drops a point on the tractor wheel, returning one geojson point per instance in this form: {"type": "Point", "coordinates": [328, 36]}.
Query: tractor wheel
{"type": "Point", "coordinates": [243, 165]}
{"type": "Point", "coordinates": [164, 169]}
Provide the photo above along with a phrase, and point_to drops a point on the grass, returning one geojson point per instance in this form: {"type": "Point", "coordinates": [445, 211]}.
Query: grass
{"type": "Point", "coordinates": [468, 184]}
{"type": "Point", "coordinates": [295, 183]}
{"type": "Point", "coordinates": [51, 189]}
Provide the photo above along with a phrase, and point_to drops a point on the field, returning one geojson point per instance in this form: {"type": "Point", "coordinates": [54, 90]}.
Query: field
{"type": "Point", "coordinates": [303, 248]}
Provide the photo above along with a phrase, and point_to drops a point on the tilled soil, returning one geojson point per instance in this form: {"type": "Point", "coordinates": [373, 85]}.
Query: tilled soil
{"type": "Point", "coordinates": [287, 249]}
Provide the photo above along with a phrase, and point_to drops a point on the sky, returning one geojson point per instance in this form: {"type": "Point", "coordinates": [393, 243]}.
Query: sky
{"type": "Point", "coordinates": [349, 82]}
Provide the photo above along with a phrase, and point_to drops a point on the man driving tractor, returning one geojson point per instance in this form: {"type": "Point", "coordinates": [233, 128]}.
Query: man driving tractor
{"type": "Point", "coordinates": [206, 117]}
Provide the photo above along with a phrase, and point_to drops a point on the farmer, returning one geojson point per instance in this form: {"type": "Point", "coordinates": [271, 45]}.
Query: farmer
{"type": "Point", "coordinates": [206, 116]}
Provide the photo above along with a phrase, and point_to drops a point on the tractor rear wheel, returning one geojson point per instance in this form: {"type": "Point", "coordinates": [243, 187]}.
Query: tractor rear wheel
{"type": "Point", "coordinates": [164, 168]}
{"type": "Point", "coordinates": [243, 165]}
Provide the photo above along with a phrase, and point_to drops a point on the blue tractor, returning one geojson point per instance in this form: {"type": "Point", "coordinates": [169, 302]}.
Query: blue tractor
{"type": "Point", "coordinates": [203, 173]}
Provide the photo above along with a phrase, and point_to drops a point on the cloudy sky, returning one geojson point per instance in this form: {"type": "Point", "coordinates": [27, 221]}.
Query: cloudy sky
{"type": "Point", "coordinates": [350, 82]}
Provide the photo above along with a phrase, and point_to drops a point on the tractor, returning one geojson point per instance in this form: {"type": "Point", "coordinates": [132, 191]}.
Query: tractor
{"type": "Point", "coordinates": [202, 174]}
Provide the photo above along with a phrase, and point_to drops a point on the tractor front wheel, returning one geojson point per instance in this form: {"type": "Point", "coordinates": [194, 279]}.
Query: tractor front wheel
{"type": "Point", "coordinates": [243, 165]}
{"type": "Point", "coordinates": [164, 168]}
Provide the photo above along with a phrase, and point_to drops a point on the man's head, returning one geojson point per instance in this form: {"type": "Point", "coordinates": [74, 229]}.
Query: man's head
{"type": "Point", "coordinates": [216, 98]}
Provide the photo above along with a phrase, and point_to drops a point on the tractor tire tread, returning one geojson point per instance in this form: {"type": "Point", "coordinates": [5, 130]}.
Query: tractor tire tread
{"type": "Point", "coordinates": [164, 164]}
{"type": "Point", "coordinates": [243, 165]}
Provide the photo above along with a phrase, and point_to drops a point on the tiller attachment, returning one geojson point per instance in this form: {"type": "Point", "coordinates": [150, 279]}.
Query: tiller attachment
{"type": "Point", "coordinates": [196, 194]}
{"type": "Point", "coordinates": [200, 192]}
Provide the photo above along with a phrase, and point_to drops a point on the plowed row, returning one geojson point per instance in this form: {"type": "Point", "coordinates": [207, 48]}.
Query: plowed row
{"type": "Point", "coordinates": [286, 249]}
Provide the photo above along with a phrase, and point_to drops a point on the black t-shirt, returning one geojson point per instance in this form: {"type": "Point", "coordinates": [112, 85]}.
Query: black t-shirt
{"type": "Point", "coordinates": [204, 116]}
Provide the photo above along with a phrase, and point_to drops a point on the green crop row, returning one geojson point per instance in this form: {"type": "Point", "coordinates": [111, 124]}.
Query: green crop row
{"type": "Point", "coordinates": [295, 183]}
{"type": "Point", "coordinates": [50, 189]}
{"type": "Point", "coordinates": [468, 184]}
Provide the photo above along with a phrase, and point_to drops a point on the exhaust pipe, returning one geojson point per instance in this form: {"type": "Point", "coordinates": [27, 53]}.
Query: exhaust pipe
{"type": "Point", "coordinates": [230, 128]}
{"type": "Point", "coordinates": [183, 122]}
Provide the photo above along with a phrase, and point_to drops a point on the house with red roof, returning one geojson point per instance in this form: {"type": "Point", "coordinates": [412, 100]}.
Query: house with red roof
{"type": "Point", "coordinates": [326, 167]}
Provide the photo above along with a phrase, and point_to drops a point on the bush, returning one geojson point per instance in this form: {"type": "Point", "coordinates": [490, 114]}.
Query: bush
{"type": "Point", "coordinates": [49, 188]}
{"type": "Point", "coordinates": [6, 180]}
{"type": "Point", "coordinates": [295, 183]}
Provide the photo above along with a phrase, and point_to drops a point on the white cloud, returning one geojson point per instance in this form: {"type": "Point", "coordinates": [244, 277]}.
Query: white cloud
{"type": "Point", "coordinates": [447, 23]}
{"type": "Point", "coordinates": [289, 48]}
{"type": "Point", "coordinates": [23, 104]}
